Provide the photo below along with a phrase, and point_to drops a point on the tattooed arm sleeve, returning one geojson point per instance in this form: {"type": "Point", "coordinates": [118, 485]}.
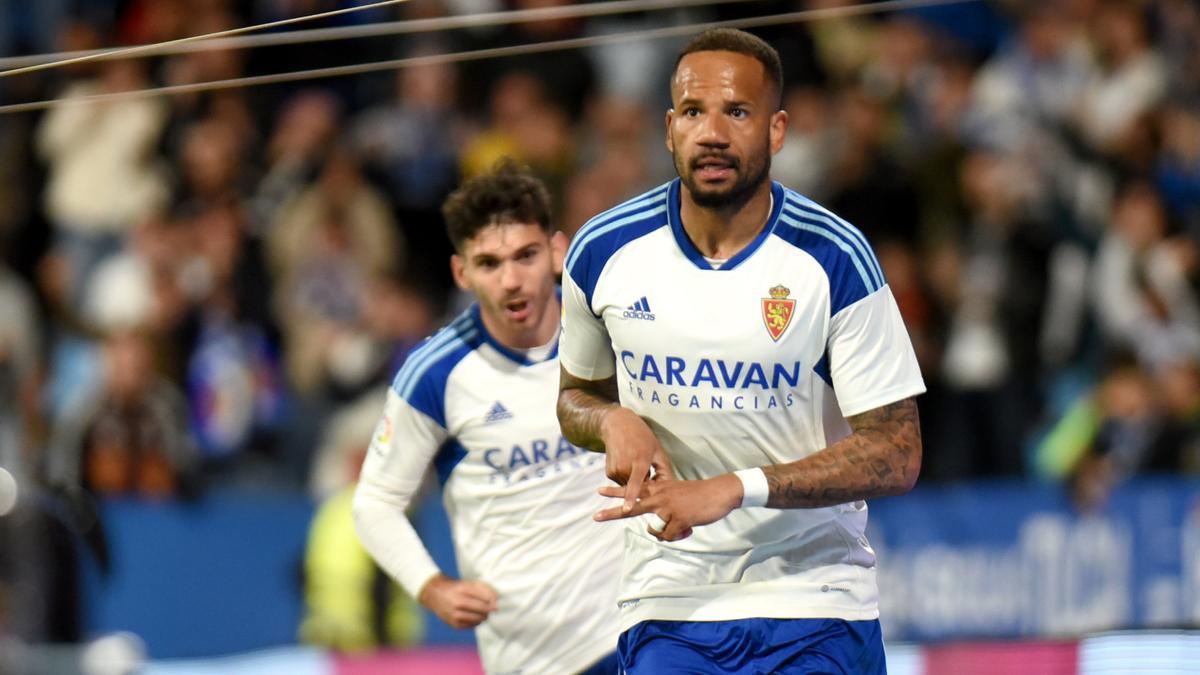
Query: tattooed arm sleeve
{"type": "Point", "coordinates": [582, 406]}
{"type": "Point", "coordinates": [881, 457]}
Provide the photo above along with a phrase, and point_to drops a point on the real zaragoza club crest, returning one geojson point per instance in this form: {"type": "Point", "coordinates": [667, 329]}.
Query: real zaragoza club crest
{"type": "Point", "coordinates": [777, 311]}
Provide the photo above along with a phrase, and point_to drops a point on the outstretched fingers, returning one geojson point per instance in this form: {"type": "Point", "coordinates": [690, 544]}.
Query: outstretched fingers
{"type": "Point", "coordinates": [664, 524]}
{"type": "Point", "coordinates": [626, 509]}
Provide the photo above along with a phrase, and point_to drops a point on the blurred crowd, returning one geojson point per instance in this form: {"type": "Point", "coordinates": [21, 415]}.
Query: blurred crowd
{"type": "Point", "coordinates": [212, 289]}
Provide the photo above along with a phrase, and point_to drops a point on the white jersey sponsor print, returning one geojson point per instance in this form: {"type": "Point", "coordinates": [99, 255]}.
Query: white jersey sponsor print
{"type": "Point", "coordinates": [755, 363]}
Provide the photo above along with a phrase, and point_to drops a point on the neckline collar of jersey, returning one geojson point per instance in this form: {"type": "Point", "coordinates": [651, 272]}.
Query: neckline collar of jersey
{"type": "Point", "coordinates": [515, 355]}
{"type": "Point", "coordinates": [689, 249]}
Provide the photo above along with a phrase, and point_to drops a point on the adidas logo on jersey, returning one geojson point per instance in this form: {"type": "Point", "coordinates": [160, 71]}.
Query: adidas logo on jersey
{"type": "Point", "coordinates": [498, 413]}
{"type": "Point", "coordinates": [639, 310]}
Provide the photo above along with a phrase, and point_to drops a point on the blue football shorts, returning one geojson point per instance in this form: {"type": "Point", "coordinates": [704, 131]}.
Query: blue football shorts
{"type": "Point", "coordinates": [809, 646]}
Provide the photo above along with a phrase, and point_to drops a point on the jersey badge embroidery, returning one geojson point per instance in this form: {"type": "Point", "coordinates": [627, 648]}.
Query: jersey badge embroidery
{"type": "Point", "coordinates": [777, 311]}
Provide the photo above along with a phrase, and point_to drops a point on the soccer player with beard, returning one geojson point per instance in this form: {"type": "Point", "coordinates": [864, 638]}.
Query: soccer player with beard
{"type": "Point", "coordinates": [476, 400]}
{"type": "Point", "coordinates": [735, 351]}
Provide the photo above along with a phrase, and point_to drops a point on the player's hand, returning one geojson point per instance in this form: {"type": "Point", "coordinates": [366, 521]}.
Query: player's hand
{"type": "Point", "coordinates": [631, 449]}
{"type": "Point", "coordinates": [680, 504]}
{"type": "Point", "coordinates": [460, 603]}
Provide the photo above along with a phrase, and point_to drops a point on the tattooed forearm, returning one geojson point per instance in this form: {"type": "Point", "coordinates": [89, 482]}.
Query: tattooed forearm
{"type": "Point", "coordinates": [582, 406]}
{"type": "Point", "coordinates": [881, 457]}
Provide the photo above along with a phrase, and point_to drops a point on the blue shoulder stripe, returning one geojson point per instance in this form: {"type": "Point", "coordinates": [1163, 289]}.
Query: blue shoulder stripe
{"type": "Point", "coordinates": [423, 377]}
{"type": "Point", "coordinates": [842, 290]}
{"type": "Point", "coordinates": [465, 343]}
{"type": "Point", "coordinates": [644, 206]}
{"type": "Point", "coordinates": [802, 202]}
{"type": "Point", "coordinates": [808, 225]}
{"type": "Point", "coordinates": [455, 334]}
{"type": "Point", "coordinates": [852, 234]}
{"type": "Point", "coordinates": [448, 332]}
{"type": "Point", "coordinates": [610, 227]}
{"type": "Point", "coordinates": [800, 222]}
{"type": "Point", "coordinates": [593, 258]}
{"type": "Point", "coordinates": [624, 207]}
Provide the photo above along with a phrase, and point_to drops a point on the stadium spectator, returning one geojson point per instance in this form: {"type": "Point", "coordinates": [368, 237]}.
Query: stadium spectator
{"type": "Point", "coordinates": [1143, 291]}
{"type": "Point", "coordinates": [1032, 86]}
{"type": "Point", "coordinates": [323, 249]}
{"type": "Point", "coordinates": [1134, 422]}
{"type": "Point", "coordinates": [234, 380]}
{"type": "Point", "coordinates": [103, 175]}
{"type": "Point", "coordinates": [412, 144]}
{"type": "Point", "coordinates": [413, 141]}
{"type": "Point", "coordinates": [992, 310]}
{"type": "Point", "coordinates": [526, 124]}
{"type": "Point", "coordinates": [1130, 79]}
{"type": "Point", "coordinates": [294, 154]}
{"type": "Point", "coordinates": [130, 436]}
{"type": "Point", "coordinates": [567, 78]}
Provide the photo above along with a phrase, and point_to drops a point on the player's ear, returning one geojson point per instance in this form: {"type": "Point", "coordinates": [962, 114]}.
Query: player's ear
{"type": "Point", "coordinates": [558, 250]}
{"type": "Point", "coordinates": [670, 143]}
{"type": "Point", "coordinates": [778, 130]}
{"type": "Point", "coordinates": [458, 268]}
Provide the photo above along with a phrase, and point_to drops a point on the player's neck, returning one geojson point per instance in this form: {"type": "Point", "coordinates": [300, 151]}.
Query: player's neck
{"type": "Point", "coordinates": [722, 232]}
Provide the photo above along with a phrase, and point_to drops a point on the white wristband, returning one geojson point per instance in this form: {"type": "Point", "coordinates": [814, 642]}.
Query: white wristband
{"type": "Point", "coordinates": [754, 487]}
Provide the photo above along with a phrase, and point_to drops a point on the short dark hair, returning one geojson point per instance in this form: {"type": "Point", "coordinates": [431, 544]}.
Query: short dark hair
{"type": "Point", "coordinates": [506, 195]}
{"type": "Point", "coordinates": [738, 42]}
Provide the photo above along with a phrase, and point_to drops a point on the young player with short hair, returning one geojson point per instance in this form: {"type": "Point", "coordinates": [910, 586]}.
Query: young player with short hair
{"type": "Point", "coordinates": [476, 401]}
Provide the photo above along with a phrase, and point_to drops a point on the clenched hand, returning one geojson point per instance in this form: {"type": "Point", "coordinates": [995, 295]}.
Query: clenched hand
{"type": "Point", "coordinates": [460, 603]}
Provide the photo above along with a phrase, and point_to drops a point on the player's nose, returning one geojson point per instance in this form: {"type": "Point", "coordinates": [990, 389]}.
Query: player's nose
{"type": "Point", "coordinates": [713, 132]}
{"type": "Point", "coordinates": [510, 277]}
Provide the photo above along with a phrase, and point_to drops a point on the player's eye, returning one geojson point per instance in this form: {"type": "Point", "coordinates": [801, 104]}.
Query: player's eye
{"type": "Point", "coordinates": [738, 113]}
{"type": "Point", "coordinates": [691, 112]}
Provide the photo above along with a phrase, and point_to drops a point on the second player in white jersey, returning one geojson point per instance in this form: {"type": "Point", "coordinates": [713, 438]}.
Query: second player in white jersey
{"type": "Point", "coordinates": [519, 497]}
{"type": "Point", "coordinates": [476, 401]}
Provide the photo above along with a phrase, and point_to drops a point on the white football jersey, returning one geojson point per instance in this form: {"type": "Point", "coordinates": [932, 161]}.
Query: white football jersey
{"type": "Point", "coordinates": [756, 362]}
{"type": "Point", "coordinates": [520, 498]}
